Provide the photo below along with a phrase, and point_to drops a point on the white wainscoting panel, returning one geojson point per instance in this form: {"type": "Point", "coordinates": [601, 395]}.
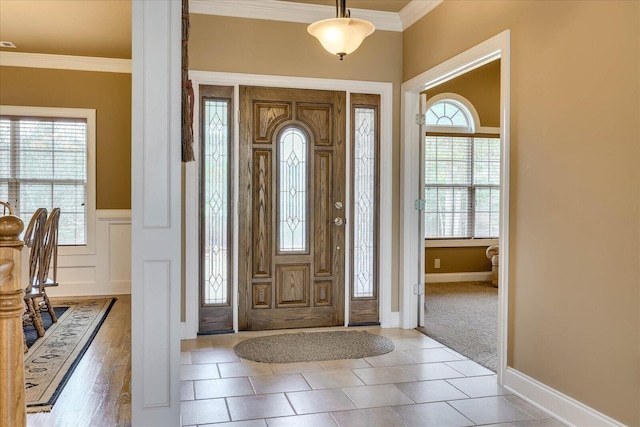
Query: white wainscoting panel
{"type": "Point", "coordinates": [105, 272]}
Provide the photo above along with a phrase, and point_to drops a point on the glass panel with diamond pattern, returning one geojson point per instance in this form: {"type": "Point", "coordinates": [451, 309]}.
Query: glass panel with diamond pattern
{"type": "Point", "coordinates": [364, 203]}
{"type": "Point", "coordinates": [292, 186]}
{"type": "Point", "coordinates": [215, 202]}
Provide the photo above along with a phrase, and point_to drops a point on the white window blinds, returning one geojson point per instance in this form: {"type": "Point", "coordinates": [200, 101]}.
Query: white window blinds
{"type": "Point", "coordinates": [462, 186]}
{"type": "Point", "coordinates": [43, 163]}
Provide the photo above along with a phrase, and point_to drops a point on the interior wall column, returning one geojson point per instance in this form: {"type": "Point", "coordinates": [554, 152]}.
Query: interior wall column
{"type": "Point", "coordinates": [155, 213]}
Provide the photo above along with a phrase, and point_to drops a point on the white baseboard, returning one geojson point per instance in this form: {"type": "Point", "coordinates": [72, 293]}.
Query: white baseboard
{"type": "Point", "coordinates": [564, 408]}
{"type": "Point", "coordinates": [476, 276]}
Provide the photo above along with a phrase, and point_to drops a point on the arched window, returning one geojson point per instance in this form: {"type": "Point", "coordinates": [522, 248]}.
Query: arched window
{"type": "Point", "coordinates": [462, 172]}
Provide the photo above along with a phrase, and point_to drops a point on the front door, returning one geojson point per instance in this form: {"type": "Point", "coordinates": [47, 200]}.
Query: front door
{"type": "Point", "coordinates": [291, 208]}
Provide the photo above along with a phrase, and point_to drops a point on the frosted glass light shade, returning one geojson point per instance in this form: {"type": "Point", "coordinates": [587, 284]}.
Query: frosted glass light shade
{"type": "Point", "coordinates": [341, 36]}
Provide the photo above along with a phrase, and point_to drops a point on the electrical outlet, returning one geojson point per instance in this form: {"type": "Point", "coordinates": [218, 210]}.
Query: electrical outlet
{"type": "Point", "coordinates": [436, 263]}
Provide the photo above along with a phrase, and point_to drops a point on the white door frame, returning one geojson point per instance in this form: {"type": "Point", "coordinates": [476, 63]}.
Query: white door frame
{"type": "Point", "coordinates": [385, 90]}
{"type": "Point", "coordinates": [410, 187]}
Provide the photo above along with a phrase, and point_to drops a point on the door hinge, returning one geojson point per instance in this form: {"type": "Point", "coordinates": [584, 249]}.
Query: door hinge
{"type": "Point", "coordinates": [420, 120]}
{"type": "Point", "coordinates": [420, 204]}
{"type": "Point", "coordinates": [418, 289]}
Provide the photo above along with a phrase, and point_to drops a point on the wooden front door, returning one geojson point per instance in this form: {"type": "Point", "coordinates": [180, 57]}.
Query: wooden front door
{"type": "Point", "coordinates": [291, 208]}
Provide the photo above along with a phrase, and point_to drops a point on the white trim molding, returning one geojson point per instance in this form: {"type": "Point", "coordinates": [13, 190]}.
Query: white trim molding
{"type": "Point", "coordinates": [473, 276]}
{"type": "Point", "coordinates": [384, 89]}
{"type": "Point", "coordinates": [65, 62]}
{"type": "Point", "coordinates": [459, 243]}
{"type": "Point", "coordinates": [416, 9]}
{"type": "Point", "coordinates": [564, 408]}
{"type": "Point", "coordinates": [274, 10]}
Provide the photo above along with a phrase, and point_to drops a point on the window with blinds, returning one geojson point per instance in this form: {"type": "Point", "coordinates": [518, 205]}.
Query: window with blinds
{"type": "Point", "coordinates": [462, 186]}
{"type": "Point", "coordinates": [43, 163]}
{"type": "Point", "coordinates": [461, 172]}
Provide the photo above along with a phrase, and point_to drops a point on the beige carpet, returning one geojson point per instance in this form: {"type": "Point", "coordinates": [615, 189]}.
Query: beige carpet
{"type": "Point", "coordinates": [464, 317]}
{"type": "Point", "coordinates": [312, 346]}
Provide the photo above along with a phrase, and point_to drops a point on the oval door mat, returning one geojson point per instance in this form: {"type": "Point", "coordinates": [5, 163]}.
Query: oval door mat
{"type": "Point", "coordinates": [312, 346]}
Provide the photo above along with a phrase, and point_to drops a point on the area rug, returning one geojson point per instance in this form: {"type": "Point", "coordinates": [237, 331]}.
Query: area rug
{"type": "Point", "coordinates": [51, 360]}
{"type": "Point", "coordinates": [30, 332]}
{"type": "Point", "coordinates": [313, 346]}
{"type": "Point", "coordinates": [464, 317]}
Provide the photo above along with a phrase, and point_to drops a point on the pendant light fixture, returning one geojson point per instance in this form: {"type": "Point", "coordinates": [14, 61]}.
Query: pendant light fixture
{"type": "Point", "coordinates": [343, 34]}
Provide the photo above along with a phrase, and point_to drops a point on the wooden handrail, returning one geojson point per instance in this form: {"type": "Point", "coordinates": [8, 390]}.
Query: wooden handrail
{"type": "Point", "coordinates": [12, 390]}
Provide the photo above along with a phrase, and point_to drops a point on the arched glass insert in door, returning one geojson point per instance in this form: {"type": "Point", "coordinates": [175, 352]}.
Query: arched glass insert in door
{"type": "Point", "coordinates": [292, 188]}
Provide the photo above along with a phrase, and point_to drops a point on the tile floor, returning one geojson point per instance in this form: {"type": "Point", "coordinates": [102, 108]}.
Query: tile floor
{"type": "Point", "coordinates": [421, 383]}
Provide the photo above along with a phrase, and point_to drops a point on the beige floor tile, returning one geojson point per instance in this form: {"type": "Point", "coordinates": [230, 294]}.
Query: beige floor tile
{"type": "Point", "coordinates": [431, 391]}
{"type": "Point", "coordinates": [376, 396]}
{"type": "Point", "coordinates": [332, 379]}
{"type": "Point", "coordinates": [403, 344]}
{"type": "Point", "coordinates": [546, 422]}
{"type": "Point", "coordinates": [527, 407]}
{"type": "Point", "coordinates": [432, 371]}
{"type": "Point", "coordinates": [394, 358]}
{"type": "Point", "coordinates": [488, 410]}
{"type": "Point", "coordinates": [279, 383]}
{"type": "Point", "coordinates": [248, 423]}
{"type": "Point", "coordinates": [186, 391]}
{"type": "Point", "coordinates": [310, 420]}
{"type": "Point", "coordinates": [199, 372]}
{"type": "Point", "coordinates": [308, 402]}
{"type": "Point", "coordinates": [293, 368]}
{"type": "Point", "coordinates": [217, 355]}
{"type": "Point", "coordinates": [424, 341]}
{"type": "Point", "coordinates": [374, 417]}
{"type": "Point", "coordinates": [431, 414]}
{"type": "Point", "coordinates": [385, 375]}
{"type": "Point", "coordinates": [204, 411]}
{"type": "Point", "coordinates": [396, 332]}
{"type": "Point", "coordinates": [225, 387]}
{"type": "Point", "coordinates": [344, 364]}
{"type": "Point", "coordinates": [244, 369]}
{"type": "Point", "coordinates": [430, 355]}
{"type": "Point", "coordinates": [261, 406]}
{"type": "Point", "coordinates": [478, 386]}
{"type": "Point", "coordinates": [470, 368]}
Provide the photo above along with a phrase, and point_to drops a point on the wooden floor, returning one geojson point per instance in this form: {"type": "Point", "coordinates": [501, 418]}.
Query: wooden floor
{"type": "Point", "coordinates": [98, 393]}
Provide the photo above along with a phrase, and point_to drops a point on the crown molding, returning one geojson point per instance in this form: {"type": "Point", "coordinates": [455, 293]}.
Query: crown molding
{"type": "Point", "coordinates": [415, 10]}
{"type": "Point", "coordinates": [65, 62]}
{"type": "Point", "coordinates": [290, 12]}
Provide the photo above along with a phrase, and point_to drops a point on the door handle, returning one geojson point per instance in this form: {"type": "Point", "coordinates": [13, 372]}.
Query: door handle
{"type": "Point", "coordinates": [338, 221]}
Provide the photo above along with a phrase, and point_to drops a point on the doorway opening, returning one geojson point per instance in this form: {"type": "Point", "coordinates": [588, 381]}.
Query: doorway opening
{"type": "Point", "coordinates": [461, 223]}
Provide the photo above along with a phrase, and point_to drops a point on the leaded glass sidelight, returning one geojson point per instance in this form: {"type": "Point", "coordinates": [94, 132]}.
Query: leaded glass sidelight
{"type": "Point", "coordinates": [364, 203]}
{"type": "Point", "coordinates": [215, 203]}
{"type": "Point", "coordinates": [292, 188]}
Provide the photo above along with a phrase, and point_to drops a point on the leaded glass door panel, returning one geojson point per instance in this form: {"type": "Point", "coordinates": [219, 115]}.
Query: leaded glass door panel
{"type": "Point", "coordinates": [216, 215]}
{"type": "Point", "coordinates": [291, 214]}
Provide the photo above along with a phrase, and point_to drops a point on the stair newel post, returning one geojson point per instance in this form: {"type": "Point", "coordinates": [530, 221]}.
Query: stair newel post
{"type": "Point", "coordinates": [12, 389]}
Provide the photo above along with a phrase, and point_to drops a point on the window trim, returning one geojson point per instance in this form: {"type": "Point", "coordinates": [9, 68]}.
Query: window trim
{"type": "Point", "coordinates": [76, 113]}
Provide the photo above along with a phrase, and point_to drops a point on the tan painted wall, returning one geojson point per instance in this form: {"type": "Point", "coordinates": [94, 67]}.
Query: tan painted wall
{"type": "Point", "coordinates": [283, 48]}
{"type": "Point", "coordinates": [481, 87]}
{"type": "Point", "coordinates": [574, 285]}
{"type": "Point", "coordinates": [457, 260]}
{"type": "Point", "coordinates": [109, 94]}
